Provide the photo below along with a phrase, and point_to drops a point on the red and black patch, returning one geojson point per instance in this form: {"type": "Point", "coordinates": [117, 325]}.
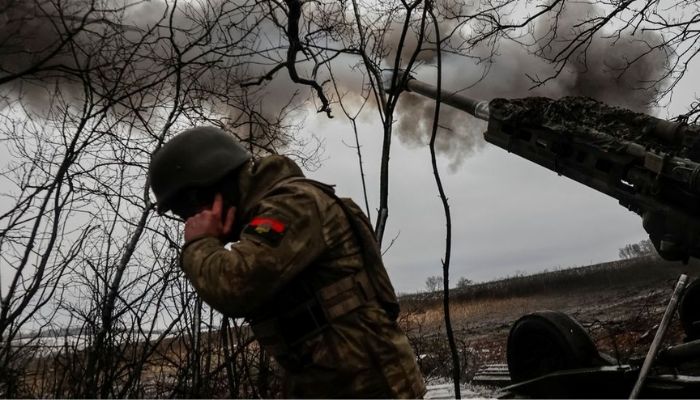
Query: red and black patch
{"type": "Point", "coordinates": [270, 230]}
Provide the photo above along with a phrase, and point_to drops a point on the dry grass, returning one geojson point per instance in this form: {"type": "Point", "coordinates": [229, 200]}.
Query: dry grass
{"type": "Point", "coordinates": [618, 303]}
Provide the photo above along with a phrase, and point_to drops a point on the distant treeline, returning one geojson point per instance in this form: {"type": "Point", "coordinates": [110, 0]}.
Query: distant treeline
{"type": "Point", "coordinates": [605, 275]}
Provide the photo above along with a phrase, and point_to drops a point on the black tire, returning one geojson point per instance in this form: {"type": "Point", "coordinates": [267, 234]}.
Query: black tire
{"type": "Point", "coordinates": [545, 342]}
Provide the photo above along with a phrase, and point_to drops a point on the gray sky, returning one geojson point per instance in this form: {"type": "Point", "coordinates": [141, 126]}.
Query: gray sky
{"type": "Point", "coordinates": [508, 214]}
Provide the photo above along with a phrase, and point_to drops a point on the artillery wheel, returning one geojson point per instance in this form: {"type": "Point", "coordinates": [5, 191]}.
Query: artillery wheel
{"type": "Point", "coordinates": [547, 341]}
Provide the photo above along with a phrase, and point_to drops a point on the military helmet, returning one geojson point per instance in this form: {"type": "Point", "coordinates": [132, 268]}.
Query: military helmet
{"type": "Point", "coordinates": [196, 158]}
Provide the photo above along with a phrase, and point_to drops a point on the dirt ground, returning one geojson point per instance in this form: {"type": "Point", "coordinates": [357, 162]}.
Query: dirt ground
{"type": "Point", "coordinates": [621, 324]}
{"type": "Point", "coordinates": [621, 317]}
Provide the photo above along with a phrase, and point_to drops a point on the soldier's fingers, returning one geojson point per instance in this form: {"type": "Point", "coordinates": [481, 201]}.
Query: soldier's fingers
{"type": "Point", "coordinates": [202, 217]}
{"type": "Point", "coordinates": [228, 223]}
{"type": "Point", "coordinates": [193, 218]}
{"type": "Point", "coordinates": [218, 205]}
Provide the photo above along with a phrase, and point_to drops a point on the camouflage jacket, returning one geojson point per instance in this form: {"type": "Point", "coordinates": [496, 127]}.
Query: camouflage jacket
{"type": "Point", "coordinates": [295, 240]}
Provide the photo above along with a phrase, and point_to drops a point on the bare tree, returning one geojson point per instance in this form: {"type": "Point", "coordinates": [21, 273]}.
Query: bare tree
{"type": "Point", "coordinates": [641, 249]}
{"type": "Point", "coordinates": [464, 282]}
{"type": "Point", "coordinates": [89, 89]}
{"type": "Point", "coordinates": [84, 253]}
{"type": "Point", "coordinates": [433, 283]}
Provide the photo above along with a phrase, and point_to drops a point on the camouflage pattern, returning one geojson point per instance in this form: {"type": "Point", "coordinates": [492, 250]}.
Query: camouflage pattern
{"type": "Point", "coordinates": [362, 354]}
{"type": "Point", "coordinates": [598, 123]}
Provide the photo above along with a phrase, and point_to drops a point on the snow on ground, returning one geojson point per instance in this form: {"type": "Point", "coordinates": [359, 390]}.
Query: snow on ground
{"type": "Point", "coordinates": [446, 391]}
{"type": "Point", "coordinates": [49, 345]}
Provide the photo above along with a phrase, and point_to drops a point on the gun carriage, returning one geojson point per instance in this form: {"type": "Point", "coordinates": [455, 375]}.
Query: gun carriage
{"type": "Point", "coordinates": [652, 167]}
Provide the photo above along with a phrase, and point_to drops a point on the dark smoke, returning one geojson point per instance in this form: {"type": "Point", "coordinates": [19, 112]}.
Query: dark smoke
{"type": "Point", "coordinates": [30, 40]}
{"type": "Point", "coordinates": [448, 13]}
{"type": "Point", "coordinates": [625, 71]}
{"type": "Point", "coordinates": [507, 69]}
{"type": "Point", "coordinates": [27, 35]}
{"type": "Point", "coordinates": [458, 133]}
{"type": "Point", "coordinates": [112, 53]}
{"type": "Point", "coordinates": [500, 69]}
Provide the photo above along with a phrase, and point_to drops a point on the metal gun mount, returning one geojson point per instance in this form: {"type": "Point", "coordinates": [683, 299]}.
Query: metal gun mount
{"type": "Point", "coordinates": [650, 165]}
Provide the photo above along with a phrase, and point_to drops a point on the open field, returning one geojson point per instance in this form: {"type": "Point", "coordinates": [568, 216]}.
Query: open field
{"type": "Point", "coordinates": [619, 304]}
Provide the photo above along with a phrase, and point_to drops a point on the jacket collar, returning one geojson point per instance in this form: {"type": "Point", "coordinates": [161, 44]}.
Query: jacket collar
{"type": "Point", "coordinates": [257, 177]}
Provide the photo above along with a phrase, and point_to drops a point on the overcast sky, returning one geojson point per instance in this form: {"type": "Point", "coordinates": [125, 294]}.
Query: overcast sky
{"type": "Point", "coordinates": [508, 215]}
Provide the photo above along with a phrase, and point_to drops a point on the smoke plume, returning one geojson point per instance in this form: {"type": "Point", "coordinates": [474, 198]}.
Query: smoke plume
{"type": "Point", "coordinates": [626, 71]}
{"type": "Point", "coordinates": [117, 60]}
{"type": "Point", "coordinates": [63, 46]}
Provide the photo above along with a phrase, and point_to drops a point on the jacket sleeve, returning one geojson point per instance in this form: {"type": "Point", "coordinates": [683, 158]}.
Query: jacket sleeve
{"type": "Point", "coordinates": [237, 281]}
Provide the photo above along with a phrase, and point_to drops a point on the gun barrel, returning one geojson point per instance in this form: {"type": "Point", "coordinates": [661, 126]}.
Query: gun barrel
{"type": "Point", "coordinates": [476, 107]}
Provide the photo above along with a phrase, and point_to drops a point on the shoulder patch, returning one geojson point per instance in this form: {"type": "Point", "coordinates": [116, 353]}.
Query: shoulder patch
{"type": "Point", "coordinates": [269, 230]}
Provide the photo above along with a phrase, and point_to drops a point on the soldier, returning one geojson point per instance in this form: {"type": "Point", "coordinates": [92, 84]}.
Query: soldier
{"type": "Point", "coordinates": [304, 269]}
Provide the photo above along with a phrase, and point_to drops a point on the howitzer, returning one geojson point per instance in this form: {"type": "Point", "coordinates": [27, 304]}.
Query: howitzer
{"type": "Point", "coordinates": [650, 165]}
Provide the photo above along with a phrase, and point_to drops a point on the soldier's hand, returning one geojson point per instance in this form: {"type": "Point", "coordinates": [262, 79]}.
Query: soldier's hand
{"type": "Point", "coordinates": [210, 223]}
